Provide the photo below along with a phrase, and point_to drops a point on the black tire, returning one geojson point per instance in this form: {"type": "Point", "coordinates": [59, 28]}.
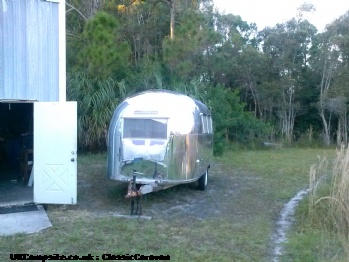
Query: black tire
{"type": "Point", "coordinates": [202, 182]}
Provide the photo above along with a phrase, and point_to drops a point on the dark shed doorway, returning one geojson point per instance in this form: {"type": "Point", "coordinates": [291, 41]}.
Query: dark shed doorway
{"type": "Point", "coordinates": [16, 152]}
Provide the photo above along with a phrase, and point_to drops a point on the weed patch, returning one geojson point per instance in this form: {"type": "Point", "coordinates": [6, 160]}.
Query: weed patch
{"type": "Point", "coordinates": [323, 219]}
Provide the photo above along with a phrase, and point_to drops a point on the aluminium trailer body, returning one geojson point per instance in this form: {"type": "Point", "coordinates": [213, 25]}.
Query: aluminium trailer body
{"type": "Point", "coordinates": [163, 138]}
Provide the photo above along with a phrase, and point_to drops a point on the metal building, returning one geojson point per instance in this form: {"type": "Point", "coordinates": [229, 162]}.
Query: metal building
{"type": "Point", "coordinates": [37, 125]}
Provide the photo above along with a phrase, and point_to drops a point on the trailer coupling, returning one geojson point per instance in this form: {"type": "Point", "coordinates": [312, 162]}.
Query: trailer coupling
{"type": "Point", "coordinates": [135, 193]}
{"type": "Point", "coordinates": [132, 190]}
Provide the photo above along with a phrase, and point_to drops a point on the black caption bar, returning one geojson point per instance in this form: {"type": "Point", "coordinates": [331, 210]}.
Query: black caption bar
{"type": "Point", "coordinates": [90, 257]}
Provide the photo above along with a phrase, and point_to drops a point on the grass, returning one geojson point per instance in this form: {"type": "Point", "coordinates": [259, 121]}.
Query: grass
{"type": "Point", "coordinates": [322, 231]}
{"type": "Point", "coordinates": [231, 221]}
{"type": "Point", "coordinates": [285, 170]}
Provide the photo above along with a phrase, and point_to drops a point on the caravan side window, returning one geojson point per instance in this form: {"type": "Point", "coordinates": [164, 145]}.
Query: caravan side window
{"type": "Point", "coordinates": [209, 123]}
{"type": "Point", "coordinates": [206, 124]}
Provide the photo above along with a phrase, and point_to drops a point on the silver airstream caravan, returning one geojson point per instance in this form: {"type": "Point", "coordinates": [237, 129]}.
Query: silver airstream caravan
{"type": "Point", "coordinates": [162, 138]}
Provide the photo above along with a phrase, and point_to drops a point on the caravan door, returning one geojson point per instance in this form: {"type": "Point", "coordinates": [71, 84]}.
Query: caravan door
{"type": "Point", "coordinates": [55, 152]}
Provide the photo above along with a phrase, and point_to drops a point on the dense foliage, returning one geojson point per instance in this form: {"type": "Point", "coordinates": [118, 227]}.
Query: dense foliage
{"type": "Point", "coordinates": [287, 83]}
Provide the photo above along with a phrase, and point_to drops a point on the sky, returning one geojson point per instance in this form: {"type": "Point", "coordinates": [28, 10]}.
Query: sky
{"type": "Point", "coordinates": [270, 12]}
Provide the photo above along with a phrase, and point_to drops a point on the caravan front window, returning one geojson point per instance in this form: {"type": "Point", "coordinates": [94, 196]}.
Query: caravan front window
{"type": "Point", "coordinates": [145, 128]}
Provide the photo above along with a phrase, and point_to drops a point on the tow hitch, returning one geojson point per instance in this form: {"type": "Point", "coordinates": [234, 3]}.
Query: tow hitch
{"type": "Point", "coordinates": [135, 195]}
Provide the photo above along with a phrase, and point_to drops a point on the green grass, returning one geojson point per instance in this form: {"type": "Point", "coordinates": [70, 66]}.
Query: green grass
{"type": "Point", "coordinates": [231, 221]}
{"type": "Point", "coordinates": [310, 241]}
{"type": "Point", "coordinates": [321, 229]}
{"type": "Point", "coordinates": [285, 170]}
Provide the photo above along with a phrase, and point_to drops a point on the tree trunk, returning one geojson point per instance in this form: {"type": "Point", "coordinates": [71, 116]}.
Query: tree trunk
{"type": "Point", "coordinates": [310, 134]}
{"type": "Point", "coordinates": [339, 132]}
{"type": "Point", "coordinates": [288, 115]}
{"type": "Point", "coordinates": [172, 19]}
{"type": "Point", "coordinates": [257, 108]}
{"type": "Point", "coordinates": [327, 138]}
{"type": "Point", "coordinates": [325, 84]}
{"type": "Point", "coordinates": [342, 131]}
{"type": "Point", "coordinates": [345, 129]}
{"type": "Point", "coordinates": [171, 4]}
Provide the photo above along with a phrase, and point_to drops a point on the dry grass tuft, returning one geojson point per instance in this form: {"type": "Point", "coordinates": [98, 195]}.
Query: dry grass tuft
{"type": "Point", "coordinates": [317, 176]}
{"type": "Point", "coordinates": [329, 196]}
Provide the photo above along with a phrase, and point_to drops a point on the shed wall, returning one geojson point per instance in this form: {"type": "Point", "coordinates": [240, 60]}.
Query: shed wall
{"type": "Point", "coordinates": [29, 50]}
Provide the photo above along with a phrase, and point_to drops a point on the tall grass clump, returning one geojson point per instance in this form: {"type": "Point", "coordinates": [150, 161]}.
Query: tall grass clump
{"type": "Point", "coordinates": [329, 197]}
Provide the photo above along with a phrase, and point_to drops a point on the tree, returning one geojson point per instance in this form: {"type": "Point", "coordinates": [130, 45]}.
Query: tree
{"type": "Point", "coordinates": [252, 71]}
{"type": "Point", "coordinates": [185, 55]}
{"type": "Point", "coordinates": [104, 53]}
{"type": "Point", "coordinates": [85, 9]}
{"type": "Point", "coordinates": [231, 121]}
{"type": "Point", "coordinates": [288, 48]}
{"type": "Point", "coordinates": [330, 59]}
{"type": "Point", "coordinates": [97, 99]}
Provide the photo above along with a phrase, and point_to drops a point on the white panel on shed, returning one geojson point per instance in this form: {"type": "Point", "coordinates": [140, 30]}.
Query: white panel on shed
{"type": "Point", "coordinates": [55, 152]}
{"type": "Point", "coordinates": [29, 50]}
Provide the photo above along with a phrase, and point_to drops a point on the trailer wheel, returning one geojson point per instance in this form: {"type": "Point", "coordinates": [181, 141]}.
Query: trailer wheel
{"type": "Point", "coordinates": [202, 182]}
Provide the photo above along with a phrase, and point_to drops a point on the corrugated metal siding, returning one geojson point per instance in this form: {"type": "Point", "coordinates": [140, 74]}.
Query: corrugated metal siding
{"type": "Point", "coordinates": [29, 50]}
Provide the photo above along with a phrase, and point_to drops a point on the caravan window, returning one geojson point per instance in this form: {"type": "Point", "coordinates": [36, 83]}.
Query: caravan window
{"type": "Point", "coordinates": [145, 128]}
{"type": "Point", "coordinates": [209, 124]}
{"type": "Point", "coordinates": [206, 124]}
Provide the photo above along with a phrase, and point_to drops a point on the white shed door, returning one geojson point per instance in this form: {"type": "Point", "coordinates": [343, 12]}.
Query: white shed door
{"type": "Point", "coordinates": [55, 152]}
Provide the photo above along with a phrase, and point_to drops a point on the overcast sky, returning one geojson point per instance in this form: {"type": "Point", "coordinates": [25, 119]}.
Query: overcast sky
{"type": "Point", "coordinates": [270, 12]}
